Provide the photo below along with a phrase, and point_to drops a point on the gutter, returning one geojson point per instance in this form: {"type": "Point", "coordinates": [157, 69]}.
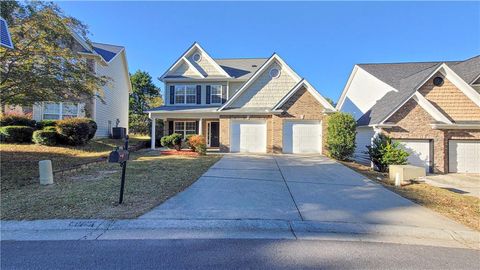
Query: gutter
{"type": "Point", "coordinates": [455, 126]}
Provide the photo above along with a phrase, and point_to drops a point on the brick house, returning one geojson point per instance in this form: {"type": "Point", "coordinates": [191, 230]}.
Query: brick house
{"type": "Point", "coordinates": [431, 108]}
{"type": "Point", "coordinates": [256, 105]}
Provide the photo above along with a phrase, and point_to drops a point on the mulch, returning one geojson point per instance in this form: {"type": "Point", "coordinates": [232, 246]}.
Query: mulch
{"type": "Point", "coordinates": [179, 153]}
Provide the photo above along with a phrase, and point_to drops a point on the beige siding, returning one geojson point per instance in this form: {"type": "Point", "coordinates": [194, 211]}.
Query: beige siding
{"type": "Point", "coordinates": [234, 87]}
{"type": "Point", "coordinates": [204, 65]}
{"type": "Point", "coordinates": [183, 70]}
{"type": "Point", "coordinates": [115, 96]}
{"type": "Point", "coordinates": [266, 91]}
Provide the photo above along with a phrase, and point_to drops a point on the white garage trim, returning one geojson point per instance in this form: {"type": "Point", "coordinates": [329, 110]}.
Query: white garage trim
{"type": "Point", "coordinates": [248, 136]}
{"type": "Point", "coordinates": [302, 136]}
{"type": "Point", "coordinates": [463, 156]}
{"type": "Point", "coordinates": [421, 152]}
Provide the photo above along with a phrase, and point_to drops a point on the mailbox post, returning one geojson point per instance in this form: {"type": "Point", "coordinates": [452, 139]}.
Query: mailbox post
{"type": "Point", "coordinates": [120, 156]}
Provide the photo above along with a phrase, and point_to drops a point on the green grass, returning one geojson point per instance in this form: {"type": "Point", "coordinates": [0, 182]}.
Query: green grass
{"type": "Point", "coordinates": [19, 162]}
{"type": "Point", "coordinates": [93, 192]}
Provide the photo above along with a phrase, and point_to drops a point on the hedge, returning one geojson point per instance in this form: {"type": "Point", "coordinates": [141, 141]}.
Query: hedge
{"type": "Point", "coordinates": [19, 134]}
{"type": "Point", "coordinates": [16, 120]}
{"type": "Point", "coordinates": [74, 131]}
{"type": "Point", "coordinates": [45, 137]}
{"type": "Point", "coordinates": [46, 123]}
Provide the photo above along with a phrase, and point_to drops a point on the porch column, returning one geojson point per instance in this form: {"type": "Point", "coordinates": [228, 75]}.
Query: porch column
{"type": "Point", "coordinates": [152, 143]}
{"type": "Point", "coordinates": [200, 126]}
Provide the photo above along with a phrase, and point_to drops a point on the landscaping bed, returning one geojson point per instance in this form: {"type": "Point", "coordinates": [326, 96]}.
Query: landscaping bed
{"type": "Point", "coordinates": [461, 208]}
{"type": "Point", "coordinates": [179, 153]}
{"type": "Point", "coordinates": [19, 162]}
{"type": "Point", "coordinates": [151, 178]}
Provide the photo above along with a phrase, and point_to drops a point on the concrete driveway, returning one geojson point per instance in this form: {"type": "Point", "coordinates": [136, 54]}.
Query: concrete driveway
{"type": "Point", "coordinates": [293, 188]}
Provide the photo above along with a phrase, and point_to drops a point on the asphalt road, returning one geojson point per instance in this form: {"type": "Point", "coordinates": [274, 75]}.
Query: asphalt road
{"type": "Point", "coordinates": [230, 254]}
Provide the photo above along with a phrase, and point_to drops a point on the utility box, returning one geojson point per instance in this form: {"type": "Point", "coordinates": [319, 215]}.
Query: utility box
{"type": "Point", "coordinates": [406, 172]}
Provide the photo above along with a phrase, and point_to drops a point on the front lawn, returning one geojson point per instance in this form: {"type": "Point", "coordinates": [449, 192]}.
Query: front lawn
{"type": "Point", "coordinates": [19, 162]}
{"type": "Point", "coordinates": [461, 208]}
{"type": "Point", "coordinates": [93, 193]}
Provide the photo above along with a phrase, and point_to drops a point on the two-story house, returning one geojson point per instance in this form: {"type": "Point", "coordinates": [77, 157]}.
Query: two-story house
{"type": "Point", "coordinates": [257, 105]}
{"type": "Point", "coordinates": [431, 108]}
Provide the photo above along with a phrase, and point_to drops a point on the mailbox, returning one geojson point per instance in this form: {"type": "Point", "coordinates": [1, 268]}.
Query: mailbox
{"type": "Point", "coordinates": [118, 156]}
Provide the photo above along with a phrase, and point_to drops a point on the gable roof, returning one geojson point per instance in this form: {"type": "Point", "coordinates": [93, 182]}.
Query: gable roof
{"type": "Point", "coordinates": [241, 68]}
{"type": "Point", "coordinates": [183, 57]}
{"type": "Point", "coordinates": [107, 51]}
{"type": "Point", "coordinates": [406, 78]}
{"type": "Point", "coordinates": [304, 83]}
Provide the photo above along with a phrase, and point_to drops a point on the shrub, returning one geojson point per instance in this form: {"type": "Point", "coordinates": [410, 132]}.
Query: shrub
{"type": "Point", "coordinates": [187, 141]}
{"type": "Point", "coordinates": [341, 135]}
{"type": "Point", "coordinates": [197, 143]}
{"type": "Point", "coordinates": [172, 141]}
{"type": "Point", "coordinates": [384, 152]}
{"type": "Point", "coordinates": [50, 128]}
{"type": "Point", "coordinates": [16, 120]}
{"type": "Point", "coordinates": [45, 137]}
{"type": "Point", "coordinates": [74, 131]}
{"type": "Point", "coordinates": [46, 123]}
{"type": "Point", "coordinates": [18, 134]}
{"type": "Point", "coordinates": [93, 129]}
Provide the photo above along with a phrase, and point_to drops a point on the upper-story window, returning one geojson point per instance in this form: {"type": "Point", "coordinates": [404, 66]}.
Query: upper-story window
{"type": "Point", "coordinates": [216, 94]}
{"type": "Point", "coordinates": [185, 94]}
{"type": "Point", "coordinates": [62, 110]}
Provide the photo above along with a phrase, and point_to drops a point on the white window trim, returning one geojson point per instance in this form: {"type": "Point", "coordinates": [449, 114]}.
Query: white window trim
{"type": "Point", "coordinates": [60, 114]}
{"type": "Point", "coordinates": [211, 93]}
{"type": "Point", "coordinates": [184, 94]}
{"type": "Point", "coordinates": [184, 131]}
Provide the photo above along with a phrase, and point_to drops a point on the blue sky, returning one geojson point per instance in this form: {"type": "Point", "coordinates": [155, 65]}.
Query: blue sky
{"type": "Point", "coordinates": [320, 40]}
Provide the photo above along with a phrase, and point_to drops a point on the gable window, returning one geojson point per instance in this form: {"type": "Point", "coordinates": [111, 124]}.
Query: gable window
{"type": "Point", "coordinates": [185, 128]}
{"type": "Point", "coordinates": [61, 110]}
{"type": "Point", "coordinates": [216, 94]}
{"type": "Point", "coordinates": [185, 94]}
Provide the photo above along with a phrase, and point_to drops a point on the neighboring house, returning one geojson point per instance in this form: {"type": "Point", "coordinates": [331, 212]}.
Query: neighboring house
{"type": "Point", "coordinates": [432, 109]}
{"type": "Point", "coordinates": [107, 60]}
{"type": "Point", "coordinates": [5, 39]}
{"type": "Point", "coordinates": [253, 105]}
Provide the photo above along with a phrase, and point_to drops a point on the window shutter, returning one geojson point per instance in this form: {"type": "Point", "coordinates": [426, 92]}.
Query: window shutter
{"type": "Point", "coordinates": [172, 94]}
{"type": "Point", "coordinates": [170, 127]}
{"type": "Point", "coordinates": [224, 94]}
{"type": "Point", "coordinates": [196, 127]}
{"type": "Point", "coordinates": [208, 94]}
{"type": "Point", "coordinates": [199, 94]}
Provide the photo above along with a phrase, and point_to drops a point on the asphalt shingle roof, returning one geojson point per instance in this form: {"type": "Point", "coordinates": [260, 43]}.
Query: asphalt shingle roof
{"type": "Point", "coordinates": [405, 78]}
{"type": "Point", "coordinates": [106, 51]}
{"type": "Point", "coordinates": [241, 68]}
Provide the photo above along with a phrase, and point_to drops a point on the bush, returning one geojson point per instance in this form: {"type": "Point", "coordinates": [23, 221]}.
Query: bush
{"type": "Point", "coordinates": [198, 144]}
{"type": "Point", "coordinates": [384, 152]}
{"type": "Point", "coordinates": [74, 131]}
{"type": "Point", "coordinates": [187, 141]}
{"type": "Point", "coordinates": [50, 128]}
{"type": "Point", "coordinates": [45, 137]}
{"type": "Point", "coordinates": [16, 120]}
{"type": "Point", "coordinates": [172, 141]}
{"type": "Point", "coordinates": [341, 135]}
{"type": "Point", "coordinates": [46, 123]}
{"type": "Point", "coordinates": [18, 134]}
{"type": "Point", "coordinates": [93, 129]}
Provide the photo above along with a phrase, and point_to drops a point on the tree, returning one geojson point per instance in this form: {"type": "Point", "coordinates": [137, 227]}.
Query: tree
{"type": "Point", "coordinates": [331, 101]}
{"type": "Point", "coordinates": [145, 94]}
{"type": "Point", "coordinates": [341, 135]}
{"type": "Point", "coordinates": [384, 152]}
{"type": "Point", "coordinates": [44, 65]}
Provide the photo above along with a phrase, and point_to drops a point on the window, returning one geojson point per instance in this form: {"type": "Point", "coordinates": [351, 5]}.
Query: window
{"type": "Point", "coordinates": [62, 110]}
{"type": "Point", "coordinates": [185, 94]}
{"type": "Point", "coordinates": [274, 73]}
{"type": "Point", "coordinates": [197, 57]}
{"type": "Point", "coordinates": [216, 94]}
{"type": "Point", "coordinates": [184, 128]}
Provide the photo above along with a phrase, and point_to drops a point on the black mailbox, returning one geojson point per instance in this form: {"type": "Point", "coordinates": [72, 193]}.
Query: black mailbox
{"type": "Point", "coordinates": [118, 156]}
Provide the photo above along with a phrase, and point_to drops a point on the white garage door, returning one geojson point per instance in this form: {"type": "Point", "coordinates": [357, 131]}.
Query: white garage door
{"type": "Point", "coordinates": [419, 151]}
{"type": "Point", "coordinates": [248, 136]}
{"type": "Point", "coordinates": [464, 156]}
{"type": "Point", "coordinates": [302, 137]}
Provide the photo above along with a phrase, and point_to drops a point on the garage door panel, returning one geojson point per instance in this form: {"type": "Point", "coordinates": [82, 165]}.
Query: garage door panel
{"type": "Point", "coordinates": [248, 136]}
{"type": "Point", "coordinates": [464, 156]}
{"type": "Point", "coordinates": [302, 137]}
{"type": "Point", "coordinates": [419, 152]}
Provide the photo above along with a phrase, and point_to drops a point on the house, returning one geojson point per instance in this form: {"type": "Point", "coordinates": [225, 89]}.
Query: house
{"type": "Point", "coordinates": [256, 105]}
{"type": "Point", "coordinates": [107, 60]}
{"type": "Point", "coordinates": [431, 108]}
{"type": "Point", "coordinates": [5, 38]}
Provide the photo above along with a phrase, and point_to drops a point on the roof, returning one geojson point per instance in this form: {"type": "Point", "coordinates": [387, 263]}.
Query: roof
{"type": "Point", "coordinates": [406, 78]}
{"type": "Point", "coordinates": [185, 109]}
{"type": "Point", "coordinates": [106, 51]}
{"type": "Point", "coordinates": [5, 39]}
{"type": "Point", "coordinates": [241, 68]}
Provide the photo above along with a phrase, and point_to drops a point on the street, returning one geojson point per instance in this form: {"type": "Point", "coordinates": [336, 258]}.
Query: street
{"type": "Point", "coordinates": [230, 254]}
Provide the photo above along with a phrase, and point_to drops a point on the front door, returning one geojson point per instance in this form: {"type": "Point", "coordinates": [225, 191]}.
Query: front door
{"type": "Point", "coordinates": [214, 134]}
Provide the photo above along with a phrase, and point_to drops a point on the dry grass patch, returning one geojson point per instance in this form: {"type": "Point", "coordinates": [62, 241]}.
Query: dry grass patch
{"type": "Point", "coordinates": [93, 193]}
{"type": "Point", "coordinates": [461, 208]}
{"type": "Point", "coordinates": [19, 162]}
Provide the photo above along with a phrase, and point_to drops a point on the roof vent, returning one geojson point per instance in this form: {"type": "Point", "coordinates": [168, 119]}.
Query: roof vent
{"type": "Point", "coordinates": [254, 66]}
{"type": "Point", "coordinates": [438, 81]}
